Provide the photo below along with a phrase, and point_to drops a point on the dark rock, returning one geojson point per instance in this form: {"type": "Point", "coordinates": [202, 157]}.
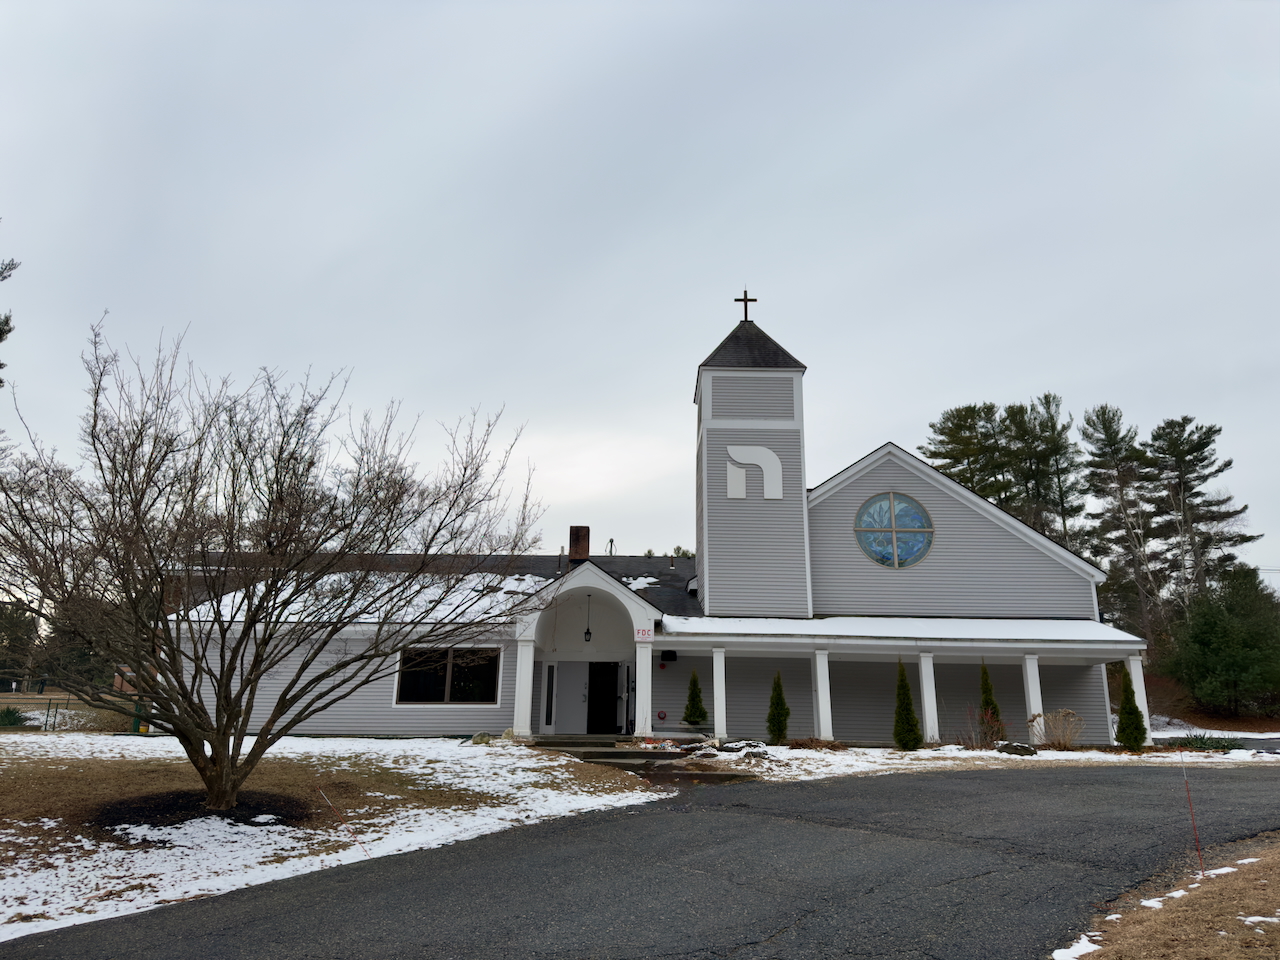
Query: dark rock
{"type": "Point", "coordinates": [1017, 749]}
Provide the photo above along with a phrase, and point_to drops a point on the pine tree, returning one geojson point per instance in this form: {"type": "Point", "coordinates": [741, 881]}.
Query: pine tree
{"type": "Point", "coordinates": [969, 443]}
{"type": "Point", "coordinates": [1199, 528]}
{"type": "Point", "coordinates": [779, 712]}
{"type": "Point", "coordinates": [694, 712]}
{"type": "Point", "coordinates": [6, 319]}
{"type": "Point", "coordinates": [906, 728]}
{"type": "Point", "coordinates": [1228, 650]}
{"type": "Point", "coordinates": [990, 726]}
{"type": "Point", "coordinates": [1119, 477]}
{"type": "Point", "coordinates": [1131, 729]}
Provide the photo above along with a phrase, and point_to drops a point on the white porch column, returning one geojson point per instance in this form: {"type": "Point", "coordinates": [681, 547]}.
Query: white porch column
{"type": "Point", "coordinates": [719, 693]}
{"type": "Point", "coordinates": [1140, 692]}
{"type": "Point", "coordinates": [822, 673]}
{"type": "Point", "coordinates": [928, 700]}
{"type": "Point", "coordinates": [522, 722]}
{"type": "Point", "coordinates": [1031, 688]}
{"type": "Point", "coordinates": [644, 689]}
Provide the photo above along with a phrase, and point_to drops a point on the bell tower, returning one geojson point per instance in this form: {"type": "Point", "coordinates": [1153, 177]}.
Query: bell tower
{"type": "Point", "coordinates": [753, 526]}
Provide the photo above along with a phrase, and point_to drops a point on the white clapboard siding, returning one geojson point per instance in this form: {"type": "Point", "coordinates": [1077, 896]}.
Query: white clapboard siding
{"type": "Point", "coordinates": [671, 691]}
{"type": "Point", "coordinates": [372, 710]}
{"type": "Point", "coordinates": [755, 563]}
{"type": "Point", "coordinates": [864, 697]}
{"type": "Point", "coordinates": [975, 568]}
{"type": "Point", "coordinates": [750, 681]}
{"type": "Point", "coordinates": [753, 398]}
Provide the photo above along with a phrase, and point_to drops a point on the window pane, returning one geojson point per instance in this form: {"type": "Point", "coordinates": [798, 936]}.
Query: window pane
{"type": "Point", "coordinates": [422, 676]}
{"type": "Point", "coordinates": [909, 515]}
{"type": "Point", "coordinates": [912, 547]}
{"type": "Point", "coordinates": [875, 513]}
{"type": "Point", "coordinates": [475, 677]}
{"type": "Point", "coordinates": [878, 546]}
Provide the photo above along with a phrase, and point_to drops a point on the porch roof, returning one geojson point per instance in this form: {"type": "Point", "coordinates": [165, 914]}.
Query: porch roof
{"type": "Point", "coordinates": [900, 628]}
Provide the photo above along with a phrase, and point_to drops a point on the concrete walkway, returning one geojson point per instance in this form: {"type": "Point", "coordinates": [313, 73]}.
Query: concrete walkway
{"type": "Point", "coordinates": [986, 863]}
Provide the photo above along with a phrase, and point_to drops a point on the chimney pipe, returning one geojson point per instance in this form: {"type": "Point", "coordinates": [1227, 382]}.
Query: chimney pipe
{"type": "Point", "coordinates": [579, 545]}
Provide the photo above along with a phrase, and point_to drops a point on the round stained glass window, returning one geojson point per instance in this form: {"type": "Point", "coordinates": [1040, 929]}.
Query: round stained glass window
{"type": "Point", "coordinates": [893, 530]}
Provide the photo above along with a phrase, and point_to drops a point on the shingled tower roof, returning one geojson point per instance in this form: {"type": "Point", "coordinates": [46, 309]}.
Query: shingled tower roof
{"type": "Point", "coordinates": [749, 346]}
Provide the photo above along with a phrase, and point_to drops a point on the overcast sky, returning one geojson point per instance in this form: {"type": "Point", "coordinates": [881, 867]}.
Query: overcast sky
{"type": "Point", "coordinates": [551, 206]}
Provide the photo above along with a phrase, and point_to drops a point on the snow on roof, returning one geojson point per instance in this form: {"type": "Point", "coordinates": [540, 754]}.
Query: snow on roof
{"type": "Point", "coordinates": [472, 597]}
{"type": "Point", "coordinates": [899, 628]}
{"type": "Point", "coordinates": [640, 583]}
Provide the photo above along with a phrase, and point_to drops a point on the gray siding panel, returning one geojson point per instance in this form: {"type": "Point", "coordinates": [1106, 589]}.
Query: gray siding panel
{"type": "Point", "coordinates": [755, 548]}
{"type": "Point", "coordinates": [1082, 689]}
{"type": "Point", "coordinates": [975, 568]}
{"type": "Point", "coordinates": [864, 697]}
{"type": "Point", "coordinates": [750, 682]}
{"type": "Point", "coordinates": [671, 691]}
{"type": "Point", "coordinates": [753, 398]}
{"type": "Point", "coordinates": [373, 710]}
{"type": "Point", "coordinates": [958, 686]}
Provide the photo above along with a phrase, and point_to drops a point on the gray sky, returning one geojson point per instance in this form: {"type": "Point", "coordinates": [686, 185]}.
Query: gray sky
{"type": "Point", "coordinates": [552, 206]}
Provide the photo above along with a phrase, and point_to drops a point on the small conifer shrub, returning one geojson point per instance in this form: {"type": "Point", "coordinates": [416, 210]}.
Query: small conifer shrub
{"type": "Point", "coordinates": [694, 712]}
{"type": "Point", "coordinates": [991, 727]}
{"type": "Point", "coordinates": [779, 712]}
{"type": "Point", "coordinates": [1131, 729]}
{"type": "Point", "coordinates": [906, 728]}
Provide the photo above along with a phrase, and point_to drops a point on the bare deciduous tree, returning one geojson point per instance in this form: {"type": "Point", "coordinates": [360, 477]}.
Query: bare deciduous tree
{"type": "Point", "coordinates": [213, 537]}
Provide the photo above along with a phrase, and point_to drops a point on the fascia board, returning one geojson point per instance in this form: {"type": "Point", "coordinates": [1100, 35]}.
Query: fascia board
{"type": "Point", "coordinates": [891, 451]}
{"type": "Point", "coordinates": [587, 574]}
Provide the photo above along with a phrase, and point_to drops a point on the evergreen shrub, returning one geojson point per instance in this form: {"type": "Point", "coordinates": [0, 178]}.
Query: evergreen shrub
{"type": "Point", "coordinates": [1131, 729]}
{"type": "Point", "coordinates": [694, 712]}
{"type": "Point", "coordinates": [990, 726]}
{"type": "Point", "coordinates": [779, 712]}
{"type": "Point", "coordinates": [906, 728]}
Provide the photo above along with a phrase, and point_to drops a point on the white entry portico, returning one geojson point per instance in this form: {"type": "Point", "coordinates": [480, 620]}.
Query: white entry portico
{"type": "Point", "coordinates": [589, 647]}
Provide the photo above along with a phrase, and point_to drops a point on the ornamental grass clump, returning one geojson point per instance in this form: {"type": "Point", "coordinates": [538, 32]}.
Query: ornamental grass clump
{"type": "Point", "coordinates": [906, 728]}
{"type": "Point", "coordinates": [1061, 728]}
{"type": "Point", "coordinates": [779, 712]}
{"type": "Point", "coordinates": [694, 712]}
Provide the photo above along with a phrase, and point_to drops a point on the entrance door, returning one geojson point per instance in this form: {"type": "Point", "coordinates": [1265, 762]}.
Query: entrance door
{"type": "Point", "coordinates": [602, 699]}
{"type": "Point", "coordinates": [571, 697]}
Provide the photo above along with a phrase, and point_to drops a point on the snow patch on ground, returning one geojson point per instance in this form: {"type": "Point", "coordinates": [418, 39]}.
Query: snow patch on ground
{"type": "Point", "coordinates": [1162, 726]}
{"type": "Point", "coordinates": [77, 879]}
{"type": "Point", "coordinates": [55, 885]}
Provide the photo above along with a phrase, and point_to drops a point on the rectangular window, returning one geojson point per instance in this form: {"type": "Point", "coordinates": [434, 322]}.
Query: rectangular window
{"type": "Point", "coordinates": [456, 675]}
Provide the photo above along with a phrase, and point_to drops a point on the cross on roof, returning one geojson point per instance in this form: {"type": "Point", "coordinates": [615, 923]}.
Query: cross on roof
{"type": "Point", "coordinates": [744, 300]}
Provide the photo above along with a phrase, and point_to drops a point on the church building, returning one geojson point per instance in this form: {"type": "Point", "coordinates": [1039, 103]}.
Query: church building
{"type": "Point", "coordinates": [828, 587]}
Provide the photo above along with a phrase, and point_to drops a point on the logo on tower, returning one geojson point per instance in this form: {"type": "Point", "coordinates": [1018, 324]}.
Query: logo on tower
{"type": "Point", "coordinates": [736, 476]}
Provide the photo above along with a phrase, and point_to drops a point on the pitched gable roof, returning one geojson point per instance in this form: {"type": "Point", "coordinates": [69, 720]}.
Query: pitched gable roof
{"type": "Point", "coordinates": [749, 346]}
{"type": "Point", "coordinates": [891, 451]}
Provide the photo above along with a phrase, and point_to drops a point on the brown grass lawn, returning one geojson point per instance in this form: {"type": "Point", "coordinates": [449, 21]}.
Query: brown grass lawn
{"type": "Point", "coordinates": [46, 804]}
{"type": "Point", "coordinates": [1206, 924]}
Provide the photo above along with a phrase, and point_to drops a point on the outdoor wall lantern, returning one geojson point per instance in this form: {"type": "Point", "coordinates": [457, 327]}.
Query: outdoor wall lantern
{"type": "Point", "coordinates": [586, 634]}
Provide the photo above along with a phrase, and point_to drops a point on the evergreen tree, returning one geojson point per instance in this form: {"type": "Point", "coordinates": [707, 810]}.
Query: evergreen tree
{"type": "Point", "coordinates": [1119, 475]}
{"type": "Point", "coordinates": [969, 443]}
{"type": "Point", "coordinates": [906, 728]}
{"type": "Point", "coordinates": [1198, 528]}
{"type": "Point", "coordinates": [1228, 650]}
{"type": "Point", "coordinates": [1131, 729]}
{"type": "Point", "coordinates": [6, 319]}
{"type": "Point", "coordinates": [694, 712]}
{"type": "Point", "coordinates": [779, 712]}
{"type": "Point", "coordinates": [990, 726]}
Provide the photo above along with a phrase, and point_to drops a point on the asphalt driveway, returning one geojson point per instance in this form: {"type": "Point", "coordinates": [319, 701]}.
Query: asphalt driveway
{"type": "Point", "coordinates": [960, 865]}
